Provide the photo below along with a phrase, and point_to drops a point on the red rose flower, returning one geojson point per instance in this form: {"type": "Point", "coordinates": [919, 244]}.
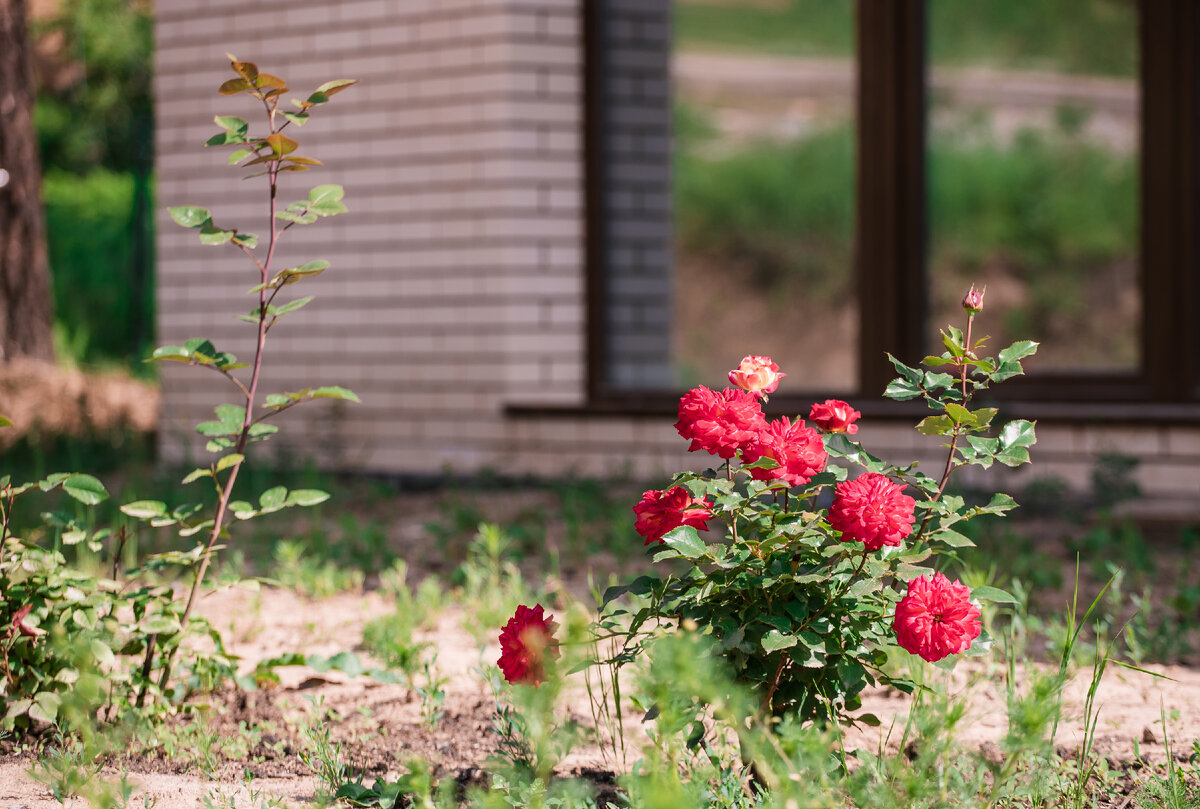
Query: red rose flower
{"type": "Point", "coordinates": [663, 511]}
{"type": "Point", "coordinates": [719, 423]}
{"type": "Point", "coordinates": [756, 375]}
{"type": "Point", "coordinates": [936, 618]}
{"type": "Point", "coordinates": [798, 450]}
{"type": "Point", "coordinates": [525, 642]}
{"type": "Point", "coordinates": [872, 510]}
{"type": "Point", "coordinates": [835, 416]}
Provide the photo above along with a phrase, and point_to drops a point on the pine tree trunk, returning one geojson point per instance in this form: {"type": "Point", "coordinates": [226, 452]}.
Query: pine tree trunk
{"type": "Point", "coordinates": [25, 307]}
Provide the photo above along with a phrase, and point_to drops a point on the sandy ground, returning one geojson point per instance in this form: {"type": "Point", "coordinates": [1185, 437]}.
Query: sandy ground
{"type": "Point", "coordinates": [381, 726]}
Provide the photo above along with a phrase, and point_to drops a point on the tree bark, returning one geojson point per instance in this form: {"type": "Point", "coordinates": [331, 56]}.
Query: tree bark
{"type": "Point", "coordinates": [25, 302]}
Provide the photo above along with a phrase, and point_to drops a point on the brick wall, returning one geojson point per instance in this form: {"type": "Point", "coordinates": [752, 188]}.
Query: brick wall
{"type": "Point", "coordinates": [456, 282]}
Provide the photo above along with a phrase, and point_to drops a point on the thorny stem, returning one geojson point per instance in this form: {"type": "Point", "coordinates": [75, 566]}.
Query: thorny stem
{"type": "Point", "coordinates": [783, 657]}
{"type": "Point", "coordinates": [950, 467]}
{"type": "Point", "coordinates": [248, 419]}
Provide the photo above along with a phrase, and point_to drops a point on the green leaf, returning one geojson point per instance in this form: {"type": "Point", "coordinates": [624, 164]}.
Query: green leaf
{"type": "Point", "coordinates": [1017, 433]}
{"type": "Point", "coordinates": [685, 541]}
{"type": "Point", "coordinates": [994, 595]}
{"type": "Point", "coordinates": [233, 87]}
{"type": "Point", "coordinates": [335, 86]}
{"type": "Point", "coordinates": [1007, 370]}
{"type": "Point", "coordinates": [232, 459]}
{"type": "Point", "coordinates": [1018, 351]}
{"type": "Point", "coordinates": [171, 353]}
{"type": "Point", "coordinates": [246, 240]}
{"type": "Point", "coordinates": [238, 155]}
{"type": "Point", "coordinates": [952, 539]}
{"type": "Point", "coordinates": [74, 537]}
{"type": "Point", "coordinates": [901, 390]}
{"type": "Point", "coordinates": [938, 381]}
{"type": "Point", "coordinates": [306, 497]}
{"type": "Point", "coordinates": [5, 421]}
{"type": "Point", "coordinates": [935, 425]}
{"type": "Point", "coordinates": [217, 428]}
{"type": "Point", "coordinates": [913, 375]}
{"type": "Point", "coordinates": [334, 392]}
{"type": "Point", "coordinates": [294, 274]}
{"type": "Point", "coordinates": [101, 653]}
{"type": "Point", "coordinates": [297, 118]}
{"type": "Point", "coordinates": [190, 216]}
{"type": "Point", "coordinates": [210, 234]}
{"type": "Point", "coordinates": [159, 624]}
{"type": "Point", "coordinates": [960, 414]}
{"type": "Point", "coordinates": [775, 640]}
{"type": "Point", "coordinates": [953, 339]}
{"type": "Point", "coordinates": [231, 413]}
{"type": "Point", "coordinates": [298, 218]}
{"type": "Point", "coordinates": [196, 474]}
{"type": "Point", "coordinates": [325, 200]}
{"type": "Point", "coordinates": [273, 498]}
{"type": "Point", "coordinates": [224, 139]}
{"type": "Point", "coordinates": [232, 123]}
{"type": "Point", "coordinates": [86, 489]}
{"type": "Point", "coordinates": [242, 510]}
{"type": "Point", "coordinates": [145, 509]}
{"type": "Point", "coordinates": [984, 416]}
{"type": "Point", "coordinates": [290, 306]}
{"type": "Point", "coordinates": [45, 706]}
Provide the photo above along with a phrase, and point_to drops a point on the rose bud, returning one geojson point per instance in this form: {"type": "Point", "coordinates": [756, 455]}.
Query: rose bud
{"type": "Point", "coordinates": [973, 300]}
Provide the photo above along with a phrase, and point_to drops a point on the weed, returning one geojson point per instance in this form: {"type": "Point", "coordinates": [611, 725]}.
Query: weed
{"type": "Point", "coordinates": [258, 798]}
{"type": "Point", "coordinates": [320, 753]}
{"type": "Point", "coordinates": [312, 576]}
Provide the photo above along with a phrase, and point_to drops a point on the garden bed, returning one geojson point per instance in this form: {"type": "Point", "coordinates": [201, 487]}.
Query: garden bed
{"type": "Point", "coordinates": [380, 725]}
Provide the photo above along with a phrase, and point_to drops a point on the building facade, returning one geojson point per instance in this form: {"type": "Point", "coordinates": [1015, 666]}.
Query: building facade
{"type": "Point", "coordinates": [498, 292]}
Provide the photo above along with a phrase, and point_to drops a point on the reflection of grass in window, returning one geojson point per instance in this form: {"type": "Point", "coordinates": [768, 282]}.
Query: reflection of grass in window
{"type": "Point", "coordinates": [782, 210]}
{"type": "Point", "coordinates": [1050, 209]}
{"type": "Point", "coordinates": [1073, 36]}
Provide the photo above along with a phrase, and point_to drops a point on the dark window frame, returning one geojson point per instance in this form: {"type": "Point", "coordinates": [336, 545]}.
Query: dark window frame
{"type": "Point", "coordinates": [891, 229]}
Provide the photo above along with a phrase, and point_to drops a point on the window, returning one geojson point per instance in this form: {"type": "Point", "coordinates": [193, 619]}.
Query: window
{"type": "Point", "coordinates": [913, 141]}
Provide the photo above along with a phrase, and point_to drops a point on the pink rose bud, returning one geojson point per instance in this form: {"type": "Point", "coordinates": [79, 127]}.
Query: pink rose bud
{"type": "Point", "coordinates": [973, 300]}
{"type": "Point", "coordinates": [756, 375]}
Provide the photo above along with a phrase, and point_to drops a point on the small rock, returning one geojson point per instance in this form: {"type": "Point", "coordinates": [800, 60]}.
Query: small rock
{"type": "Point", "coordinates": [991, 752]}
{"type": "Point", "coordinates": [1148, 736]}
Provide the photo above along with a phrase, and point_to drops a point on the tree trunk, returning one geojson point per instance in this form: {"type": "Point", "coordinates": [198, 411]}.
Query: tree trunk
{"type": "Point", "coordinates": [25, 307]}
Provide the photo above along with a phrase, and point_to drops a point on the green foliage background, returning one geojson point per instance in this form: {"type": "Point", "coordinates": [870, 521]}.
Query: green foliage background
{"type": "Point", "coordinates": [96, 138]}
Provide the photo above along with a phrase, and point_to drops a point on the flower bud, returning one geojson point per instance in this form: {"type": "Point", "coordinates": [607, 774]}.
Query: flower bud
{"type": "Point", "coordinates": [973, 300]}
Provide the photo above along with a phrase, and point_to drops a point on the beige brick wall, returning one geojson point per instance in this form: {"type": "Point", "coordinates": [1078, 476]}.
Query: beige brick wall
{"type": "Point", "coordinates": [456, 282]}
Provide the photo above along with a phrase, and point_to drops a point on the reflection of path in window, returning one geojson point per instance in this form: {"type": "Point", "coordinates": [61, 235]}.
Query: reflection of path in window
{"type": "Point", "coordinates": [763, 193]}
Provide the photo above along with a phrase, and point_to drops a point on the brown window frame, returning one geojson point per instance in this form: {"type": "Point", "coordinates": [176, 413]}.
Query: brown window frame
{"type": "Point", "coordinates": [891, 228]}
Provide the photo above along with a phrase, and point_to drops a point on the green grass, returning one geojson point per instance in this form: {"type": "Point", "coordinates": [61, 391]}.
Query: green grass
{"type": "Point", "coordinates": [104, 313]}
{"type": "Point", "coordinates": [1071, 36]}
{"type": "Point", "coordinates": [1049, 208]}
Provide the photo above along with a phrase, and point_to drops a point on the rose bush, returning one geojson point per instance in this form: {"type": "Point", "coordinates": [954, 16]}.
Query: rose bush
{"type": "Point", "coordinates": [824, 569]}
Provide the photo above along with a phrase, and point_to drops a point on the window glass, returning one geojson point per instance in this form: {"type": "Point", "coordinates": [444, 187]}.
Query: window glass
{"type": "Point", "coordinates": [763, 190]}
{"type": "Point", "coordinates": [1033, 175]}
